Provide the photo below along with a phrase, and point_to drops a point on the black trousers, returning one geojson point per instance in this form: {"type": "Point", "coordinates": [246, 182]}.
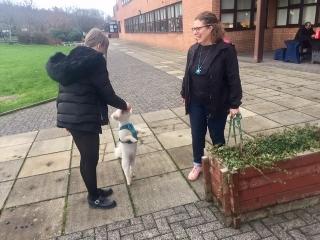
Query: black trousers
{"type": "Point", "coordinates": [88, 145]}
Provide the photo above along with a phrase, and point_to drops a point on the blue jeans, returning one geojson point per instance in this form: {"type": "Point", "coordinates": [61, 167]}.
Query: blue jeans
{"type": "Point", "coordinates": [199, 122]}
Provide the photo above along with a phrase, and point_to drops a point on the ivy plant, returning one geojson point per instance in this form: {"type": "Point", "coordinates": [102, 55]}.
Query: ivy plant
{"type": "Point", "coordinates": [264, 151]}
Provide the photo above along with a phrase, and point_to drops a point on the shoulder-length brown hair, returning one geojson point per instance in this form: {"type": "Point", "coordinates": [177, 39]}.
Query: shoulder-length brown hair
{"type": "Point", "coordinates": [208, 18]}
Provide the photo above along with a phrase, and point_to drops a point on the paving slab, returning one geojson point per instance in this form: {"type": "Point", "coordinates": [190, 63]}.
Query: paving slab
{"type": "Point", "coordinates": [186, 119]}
{"type": "Point", "coordinates": [249, 99]}
{"type": "Point", "coordinates": [45, 164]}
{"type": "Point", "coordinates": [292, 102]}
{"type": "Point", "coordinates": [167, 125]}
{"type": "Point", "coordinates": [313, 111]}
{"type": "Point", "coordinates": [36, 221]}
{"type": "Point", "coordinates": [158, 115]}
{"type": "Point", "coordinates": [51, 146]}
{"type": "Point", "coordinates": [106, 137]}
{"type": "Point", "coordinates": [268, 132]}
{"type": "Point", "coordinates": [258, 123]}
{"type": "Point", "coordinates": [9, 170]}
{"type": "Point", "coordinates": [246, 113]}
{"type": "Point", "coordinates": [81, 217]}
{"type": "Point", "coordinates": [75, 150]}
{"type": "Point", "coordinates": [109, 148]}
{"type": "Point", "coordinates": [180, 111]}
{"type": "Point", "coordinates": [148, 144]}
{"type": "Point", "coordinates": [107, 157]}
{"type": "Point", "coordinates": [51, 133]}
{"type": "Point", "coordinates": [265, 107]}
{"type": "Point", "coordinates": [153, 164]}
{"type": "Point", "coordinates": [5, 188]}
{"type": "Point", "coordinates": [198, 185]}
{"type": "Point", "coordinates": [182, 156]}
{"type": "Point", "coordinates": [151, 194]}
{"type": "Point", "coordinates": [38, 188]}
{"type": "Point", "coordinates": [142, 129]}
{"type": "Point", "coordinates": [75, 160]}
{"type": "Point", "coordinates": [108, 174]}
{"type": "Point", "coordinates": [17, 139]}
{"type": "Point", "coordinates": [311, 123]}
{"type": "Point", "coordinates": [289, 117]}
{"type": "Point", "coordinates": [14, 152]}
{"type": "Point", "coordinates": [175, 138]}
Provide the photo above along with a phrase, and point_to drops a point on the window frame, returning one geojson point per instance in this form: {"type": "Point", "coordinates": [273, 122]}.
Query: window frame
{"type": "Point", "coordinates": [301, 7]}
{"type": "Point", "coordinates": [157, 21]}
{"type": "Point", "coordinates": [235, 11]}
{"type": "Point", "coordinates": [125, 2]}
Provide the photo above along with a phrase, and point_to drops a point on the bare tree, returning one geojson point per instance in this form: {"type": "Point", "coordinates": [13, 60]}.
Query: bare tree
{"type": "Point", "coordinates": [25, 19]}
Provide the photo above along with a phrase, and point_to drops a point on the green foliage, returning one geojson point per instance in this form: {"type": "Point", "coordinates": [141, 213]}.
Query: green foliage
{"type": "Point", "coordinates": [265, 151]}
{"type": "Point", "coordinates": [66, 35]}
{"type": "Point", "coordinates": [23, 78]}
{"type": "Point", "coordinates": [75, 35]}
{"type": "Point", "coordinates": [35, 38]}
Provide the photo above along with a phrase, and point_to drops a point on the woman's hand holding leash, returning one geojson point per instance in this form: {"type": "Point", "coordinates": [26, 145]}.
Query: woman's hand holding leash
{"type": "Point", "coordinates": [233, 112]}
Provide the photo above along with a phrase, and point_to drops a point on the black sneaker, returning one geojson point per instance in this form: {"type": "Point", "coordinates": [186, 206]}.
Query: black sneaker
{"type": "Point", "coordinates": [102, 202]}
{"type": "Point", "coordinates": [105, 192]}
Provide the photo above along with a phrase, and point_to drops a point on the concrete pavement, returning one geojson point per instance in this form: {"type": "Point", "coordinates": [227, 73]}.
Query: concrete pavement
{"type": "Point", "coordinates": [42, 194]}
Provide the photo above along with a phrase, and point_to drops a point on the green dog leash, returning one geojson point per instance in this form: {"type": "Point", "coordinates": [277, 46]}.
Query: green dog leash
{"type": "Point", "coordinates": [235, 123]}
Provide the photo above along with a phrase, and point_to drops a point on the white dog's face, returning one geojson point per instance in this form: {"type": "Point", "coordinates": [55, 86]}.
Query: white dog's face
{"type": "Point", "coordinates": [121, 115]}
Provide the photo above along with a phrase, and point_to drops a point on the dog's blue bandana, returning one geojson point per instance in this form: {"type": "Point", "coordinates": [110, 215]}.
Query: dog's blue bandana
{"type": "Point", "coordinates": [130, 127]}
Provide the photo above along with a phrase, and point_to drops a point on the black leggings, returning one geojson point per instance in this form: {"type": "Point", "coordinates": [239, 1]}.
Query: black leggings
{"type": "Point", "coordinates": [88, 145]}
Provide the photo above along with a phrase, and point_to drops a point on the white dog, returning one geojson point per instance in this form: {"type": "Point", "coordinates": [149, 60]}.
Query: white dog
{"type": "Point", "coordinates": [128, 139]}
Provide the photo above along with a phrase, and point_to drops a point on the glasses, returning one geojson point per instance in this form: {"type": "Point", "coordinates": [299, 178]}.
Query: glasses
{"type": "Point", "coordinates": [197, 29]}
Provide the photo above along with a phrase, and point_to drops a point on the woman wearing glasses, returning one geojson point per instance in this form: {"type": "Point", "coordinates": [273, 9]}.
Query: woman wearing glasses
{"type": "Point", "coordinates": [211, 86]}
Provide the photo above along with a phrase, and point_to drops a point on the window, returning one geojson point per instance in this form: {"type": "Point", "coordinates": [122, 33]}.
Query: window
{"type": "Point", "coordinates": [119, 26]}
{"type": "Point", "coordinates": [166, 19]}
{"type": "Point", "coordinates": [238, 14]}
{"type": "Point", "coordinates": [297, 12]}
{"type": "Point", "coordinates": [124, 2]}
{"type": "Point", "coordinates": [136, 24]}
{"type": "Point", "coordinates": [178, 16]}
{"type": "Point", "coordinates": [163, 20]}
{"type": "Point", "coordinates": [157, 21]}
{"type": "Point", "coordinates": [171, 19]}
{"type": "Point", "coordinates": [142, 23]}
{"type": "Point", "coordinates": [150, 22]}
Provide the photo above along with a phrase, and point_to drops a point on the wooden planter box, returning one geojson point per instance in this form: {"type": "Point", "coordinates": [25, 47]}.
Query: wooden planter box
{"type": "Point", "coordinates": [243, 194]}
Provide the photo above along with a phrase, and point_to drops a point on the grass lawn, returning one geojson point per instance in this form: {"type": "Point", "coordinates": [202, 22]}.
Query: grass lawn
{"type": "Point", "coordinates": [23, 78]}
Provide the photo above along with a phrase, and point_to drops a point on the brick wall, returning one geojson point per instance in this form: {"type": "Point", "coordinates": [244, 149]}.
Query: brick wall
{"type": "Point", "coordinates": [244, 40]}
{"type": "Point", "coordinates": [180, 41]}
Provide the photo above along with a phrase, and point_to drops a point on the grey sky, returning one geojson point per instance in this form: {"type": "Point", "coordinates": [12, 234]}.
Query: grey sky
{"type": "Point", "coordinates": [103, 5]}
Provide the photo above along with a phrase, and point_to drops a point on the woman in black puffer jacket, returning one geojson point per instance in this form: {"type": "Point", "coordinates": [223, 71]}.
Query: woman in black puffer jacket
{"type": "Point", "coordinates": [84, 93]}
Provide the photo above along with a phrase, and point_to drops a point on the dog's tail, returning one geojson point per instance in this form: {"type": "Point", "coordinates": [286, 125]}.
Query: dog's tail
{"type": "Point", "coordinates": [117, 151]}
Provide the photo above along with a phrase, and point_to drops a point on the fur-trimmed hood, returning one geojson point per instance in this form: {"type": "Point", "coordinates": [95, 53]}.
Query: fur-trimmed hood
{"type": "Point", "coordinates": [80, 63]}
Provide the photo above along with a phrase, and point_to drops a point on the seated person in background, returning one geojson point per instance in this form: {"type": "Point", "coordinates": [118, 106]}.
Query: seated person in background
{"type": "Point", "coordinates": [304, 36]}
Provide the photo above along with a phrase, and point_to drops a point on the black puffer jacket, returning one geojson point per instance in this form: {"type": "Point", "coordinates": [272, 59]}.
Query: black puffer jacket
{"type": "Point", "coordinates": [224, 91]}
{"type": "Point", "coordinates": [84, 89]}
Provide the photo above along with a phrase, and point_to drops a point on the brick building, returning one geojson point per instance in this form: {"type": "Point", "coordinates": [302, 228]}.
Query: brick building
{"type": "Point", "coordinates": [167, 23]}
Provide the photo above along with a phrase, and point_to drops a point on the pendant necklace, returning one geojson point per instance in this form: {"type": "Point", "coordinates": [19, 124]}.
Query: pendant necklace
{"type": "Point", "coordinates": [199, 67]}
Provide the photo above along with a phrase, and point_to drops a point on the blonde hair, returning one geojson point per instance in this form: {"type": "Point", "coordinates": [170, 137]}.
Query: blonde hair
{"type": "Point", "coordinates": [211, 19]}
{"type": "Point", "coordinates": [95, 37]}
